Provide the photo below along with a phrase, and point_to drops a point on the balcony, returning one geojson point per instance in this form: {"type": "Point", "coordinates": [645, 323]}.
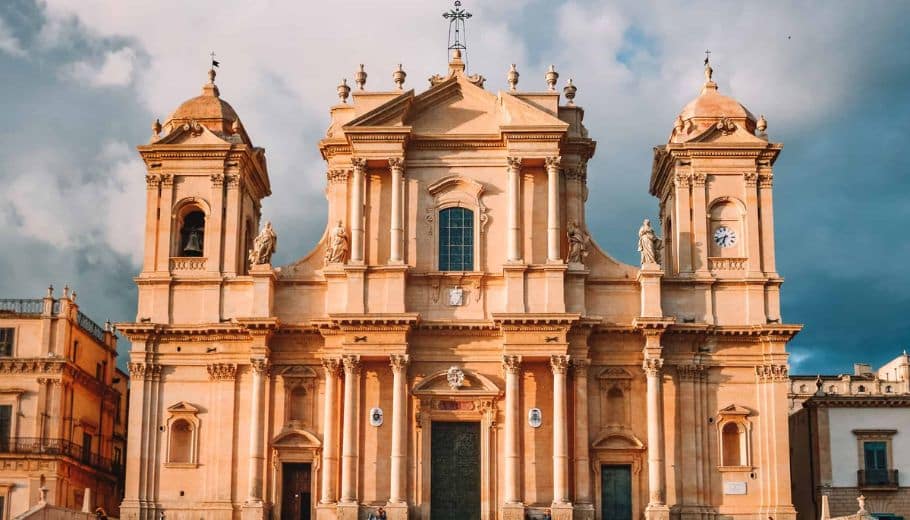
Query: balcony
{"type": "Point", "coordinates": [58, 448]}
{"type": "Point", "coordinates": [877, 479]}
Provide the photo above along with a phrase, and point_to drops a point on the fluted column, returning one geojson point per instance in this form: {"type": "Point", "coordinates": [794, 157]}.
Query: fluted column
{"type": "Point", "coordinates": [330, 429]}
{"type": "Point", "coordinates": [553, 235]}
{"type": "Point", "coordinates": [396, 231]}
{"type": "Point", "coordinates": [398, 484]}
{"type": "Point", "coordinates": [514, 186]}
{"type": "Point", "coordinates": [559, 364]}
{"type": "Point", "coordinates": [349, 448]}
{"type": "Point", "coordinates": [360, 166]}
{"type": "Point", "coordinates": [260, 367]}
{"type": "Point", "coordinates": [582, 456]}
{"type": "Point", "coordinates": [512, 367]}
{"type": "Point", "coordinates": [656, 471]}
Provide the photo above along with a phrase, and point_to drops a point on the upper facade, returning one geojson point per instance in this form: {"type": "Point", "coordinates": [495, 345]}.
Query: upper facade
{"type": "Point", "coordinates": [62, 407]}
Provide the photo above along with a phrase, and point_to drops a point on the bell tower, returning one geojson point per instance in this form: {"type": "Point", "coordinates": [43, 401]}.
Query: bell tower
{"type": "Point", "coordinates": [205, 183]}
{"type": "Point", "coordinates": [714, 182]}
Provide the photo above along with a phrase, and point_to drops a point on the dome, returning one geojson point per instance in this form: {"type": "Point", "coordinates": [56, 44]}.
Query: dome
{"type": "Point", "coordinates": [710, 107]}
{"type": "Point", "coordinates": [207, 109]}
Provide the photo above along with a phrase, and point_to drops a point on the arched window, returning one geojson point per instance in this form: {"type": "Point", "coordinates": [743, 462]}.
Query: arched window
{"type": "Point", "coordinates": [181, 442]}
{"type": "Point", "coordinates": [456, 239]}
{"type": "Point", "coordinates": [615, 406]}
{"type": "Point", "coordinates": [297, 406]}
{"type": "Point", "coordinates": [861, 389]}
{"type": "Point", "coordinates": [732, 449]}
{"type": "Point", "coordinates": [192, 234]}
{"type": "Point", "coordinates": [888, 389]}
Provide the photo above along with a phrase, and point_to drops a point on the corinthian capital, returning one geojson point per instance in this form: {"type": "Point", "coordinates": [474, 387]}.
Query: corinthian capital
{"type": "Point", "coordinates": [559, 364]}
{"type": "Point", "coordinates": [260, 366]}
{"type": "Point", "coordinates": [552, 162]}
{"type": "Point", "coordinates": [351, 364]}
{"type": "Point", "coordinates": [331, 366]}
{"type": "Point", "coordinates": [652, 366]}
{"type": "Point", "coordinates": [396, 163]}
{"type": "Point", "coordinates": [514, 162]}
{"type": "Point", "coordinates": [360, 164]}
{"type": "Point", "coordinates": [511, 364]}
{"type": "Point", "coordinates": [399, 362]}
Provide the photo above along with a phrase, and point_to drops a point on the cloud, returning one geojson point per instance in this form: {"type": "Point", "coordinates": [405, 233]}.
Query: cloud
{"type": "Point", "coordinates": [114, 70]}
{"type": "Point", "coordinates": [8, 42]}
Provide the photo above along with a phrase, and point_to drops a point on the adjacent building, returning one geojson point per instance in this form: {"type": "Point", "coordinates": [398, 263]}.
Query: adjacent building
{"type": "Point", "coordinates": [62, 407]}
{"type": "Point", "coordinates": [456, 345]}
{"type": "Point", "coordinates": [850, 436]}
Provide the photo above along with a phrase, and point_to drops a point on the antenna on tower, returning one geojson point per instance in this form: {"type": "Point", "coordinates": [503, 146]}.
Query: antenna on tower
{"type": "Point", "coordinates": [457, 31]}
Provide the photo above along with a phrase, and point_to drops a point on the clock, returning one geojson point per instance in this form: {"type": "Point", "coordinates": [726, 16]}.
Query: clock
{"type": "Point", "coordinates": [724, 236]}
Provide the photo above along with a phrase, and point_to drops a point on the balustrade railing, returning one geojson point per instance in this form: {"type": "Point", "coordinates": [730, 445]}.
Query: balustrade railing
{"type": "Point", "coordinates": [57, 447]}
{"type": "Point", "coordinates": [880, 478]}
{"type": "Point", "coordinates": [22, 306]}
{"type": "Point", "coordinates": [89, 326]}
{"type": "Point", "coordinates": [187, 263]}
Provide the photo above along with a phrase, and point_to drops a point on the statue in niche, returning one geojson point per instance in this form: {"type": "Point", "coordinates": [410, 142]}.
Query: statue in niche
{"type": "Point", "coordinates": [648, 244]}
{"type": "Point", "coordinates": [337, 252]}
{"type": "Point", "coordinates": [264, 245]}
{"type": "Point", "coordinates": [578, 243]}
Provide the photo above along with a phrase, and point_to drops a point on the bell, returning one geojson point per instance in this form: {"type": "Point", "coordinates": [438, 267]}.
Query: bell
{"type": "Point", "coordinates": [193, 245]}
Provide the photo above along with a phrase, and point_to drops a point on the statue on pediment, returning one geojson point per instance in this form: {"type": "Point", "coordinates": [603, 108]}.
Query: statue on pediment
{"type": "Point", "coordinates": [337, 251]}
{"type": "Point", "coordinates": [649, 245]}
{"type": "Point", "coordinates": [264, 245]}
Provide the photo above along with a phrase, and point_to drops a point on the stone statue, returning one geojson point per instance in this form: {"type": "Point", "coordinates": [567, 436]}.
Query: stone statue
{"type": "Point", "coordinates": [264, 245]}
{"type": "Point", "coordinates": [337, 252]}
{"type": "Point", "coordinates": [648, 244]}
{"type": "Point", "coordinates": [578, 243]}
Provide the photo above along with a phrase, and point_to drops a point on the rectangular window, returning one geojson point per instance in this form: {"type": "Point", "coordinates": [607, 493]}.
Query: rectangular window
{"type": "Point", "coordinates": [876, 455]}
{"type": "Point", "coordinates": [86, 448]}
{"type": "Point", "coordinates": [6, 341]}
{"type": "Point", "coordinates": [6, 426]}
{"type": "Point", "coordinates": [456, 239]}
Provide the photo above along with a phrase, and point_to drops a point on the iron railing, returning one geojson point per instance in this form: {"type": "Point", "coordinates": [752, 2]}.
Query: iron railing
{"type": "Point", "coordinates": [22, 306]}
{"type": "Point", "coordinates": [89, 326]}
{"type": "Point", "coordinates": [58, 447]}
{"type": "Point", "coordinates": [880, 478]}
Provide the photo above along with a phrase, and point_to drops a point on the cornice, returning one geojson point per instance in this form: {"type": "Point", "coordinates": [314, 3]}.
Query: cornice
{"type": "Point", "coordinates": [855, 401]}
{"type": "Point", "coordinates": [520, 319]}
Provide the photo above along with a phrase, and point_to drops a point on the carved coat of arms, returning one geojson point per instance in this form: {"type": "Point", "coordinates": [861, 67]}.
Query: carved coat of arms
{"type": "Point", "coordinates": [455, 377]}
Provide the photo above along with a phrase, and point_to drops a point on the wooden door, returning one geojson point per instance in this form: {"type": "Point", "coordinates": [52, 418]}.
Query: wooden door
{"type": "Point", "coordinates": [296, 498]}
{"type": "Point", "coordinates": [455, 471]}
{"type": "Point", "coordinates": [616, 492]}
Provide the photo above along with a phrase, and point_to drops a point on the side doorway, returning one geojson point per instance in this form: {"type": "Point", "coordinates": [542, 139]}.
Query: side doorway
{"type": "Point", "coordinates": [616, 492]}
{"type": "Point", "coordinates": [296, 494]}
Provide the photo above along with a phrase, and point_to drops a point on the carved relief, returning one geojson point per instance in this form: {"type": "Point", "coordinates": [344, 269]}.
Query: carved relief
{"type": "Point", "coordinates": [511, 364]}
{"type": "Point", "coordinates": [559, 364]}
{"type": "Point", "coordinates": [222, 371]}
{"type": "Point", "coordinates": [652, 366]}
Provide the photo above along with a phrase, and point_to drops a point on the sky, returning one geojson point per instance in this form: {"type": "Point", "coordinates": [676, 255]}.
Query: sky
{"type": "Point", "coordinates": [83, 80]}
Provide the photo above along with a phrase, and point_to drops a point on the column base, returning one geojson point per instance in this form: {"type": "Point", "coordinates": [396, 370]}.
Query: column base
{"type": "Point", "coordinates": [347, 511]}
{"type": "Point", "coordinates": [513, 512]}
{"type": "Point", "coordinates": [328, 511]}
{"type": "Point", "coordinates": [583, 512]}
{"type": "Point", "coordinates": [561, 511]}
{"type": "Point", "coordinates": [255, 511]}
{"type": "Point", "coordinates": [657, 512]}
{"type": "Point", "coordinates": [397, 511]}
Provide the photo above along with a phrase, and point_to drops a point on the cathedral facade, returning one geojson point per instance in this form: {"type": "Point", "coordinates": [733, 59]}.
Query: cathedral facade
{"type": "Point", "coordinates": [456, 345]}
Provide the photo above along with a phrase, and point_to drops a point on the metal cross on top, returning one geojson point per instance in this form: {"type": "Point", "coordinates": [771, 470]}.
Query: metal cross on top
{"type": "Point", "coordinates": [707, 56]}
{"type": "Point", "coordinates": [456, 17]}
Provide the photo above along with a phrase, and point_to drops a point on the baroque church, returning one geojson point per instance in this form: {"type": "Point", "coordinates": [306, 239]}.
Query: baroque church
{"type": "Point", "coordinates": [456, 345]}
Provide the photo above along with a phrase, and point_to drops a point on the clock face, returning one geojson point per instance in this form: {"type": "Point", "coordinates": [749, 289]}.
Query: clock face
{"type": "Point", "coordinates": [724, 236]}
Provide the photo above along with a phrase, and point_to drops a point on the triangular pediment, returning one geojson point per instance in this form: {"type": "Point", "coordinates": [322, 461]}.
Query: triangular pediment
{"type": "Point", "coordinates": [182, 406]}
{"type": "Point", "coordinates": [734, 409]}
{"type": "Point", "coordinates": [456, 106]}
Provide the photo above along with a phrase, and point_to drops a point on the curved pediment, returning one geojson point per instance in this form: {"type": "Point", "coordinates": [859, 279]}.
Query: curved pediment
{"type": "Point", "coordinates": [456, 182]}
{"type": "Point", "coordinates": [473, 384]}
{"type": "Point", "coordinates": [617, 439]}
{"type": "Point", "coordinates": [296, 438]}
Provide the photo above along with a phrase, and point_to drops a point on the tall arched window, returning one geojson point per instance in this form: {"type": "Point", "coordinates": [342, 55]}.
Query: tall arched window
{"type": "Point", "coordinates": [181, 442]}
{"type": "Point", "coordinates": [456, 239]}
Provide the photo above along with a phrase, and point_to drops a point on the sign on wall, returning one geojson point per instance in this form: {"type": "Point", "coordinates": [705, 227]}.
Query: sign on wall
{"type": "Point", "coordinates": [535, 417]}
{"type": "Point", "coordinates": [376, 416]}
{"type": "Point", "coordinates": [734, 488]}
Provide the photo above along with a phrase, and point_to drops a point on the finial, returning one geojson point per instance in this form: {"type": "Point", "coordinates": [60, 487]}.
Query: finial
{"type": "Point", "coordinates": [343, 90]}
{"type": "Point", "coordinates": [235, 127]}
{"type": "Point", "coordinates": [457, 30]}
{"type": "Point", "coordinates": [107, 325]}
{"type": "Point", "coordinates": [861, 500]}
{"type": "Point", "coordinates": [50, 291]}
{"type": "Point", "coordinates": [360, 77]}
{"type": "Point", "coordinates": [398, 76]}
{"type": "Point", "coordinates": [551, 77]}
{"type": "Point", "coordinates": [569, 91]}
{"type": "Point", "coordinates": [212, 68]}
{"type": "Point", "coordinates": [156, 127]}
{"type": "Point", "coordinates": [762, 124]}
{"type": "Point", "coordinates": [512, 77]}
{"type": "Point", "coordinates": [678, 124]}
{"type": "Point", "coordinates": [74, 296]}
{"type": "Point", "coordinates": [708, 70]}
{"type": "Point", "coordinates": [66, 291]}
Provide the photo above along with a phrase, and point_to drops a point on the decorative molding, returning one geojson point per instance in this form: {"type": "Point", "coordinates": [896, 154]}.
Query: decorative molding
{"type": "Point", "coordinates": [514, 163]}
{"type": "Point", "coordinates": [765, 180]}
{"type": "Point", "coordinates": [511, 364]}
{"type": "Point", "coordinates": [351, 363]}
{"type": "Point", "coordinates": [260, 366]}
{"type": "Point", "coordinates": [699, 179]}
{"type": "Point", "coordinates": [750, 178]}
{"type": "Point", "coordinates": [399, 362]}
{"type": "Point", "coordinates": [217, 179]}
{"type": "Point", "coordinates": [652, 366]}
{"type": "Point", "coordinates": [338, 176]}
{"type": "Point", "coordinates": [559, 363]}
{"type": "Point", "coordinates": [727, 264]}
{"type": "Point", "coordinates": [332, 366]}
{"type": "Point", "coordinates": [771, 373]}
{"type": "Point", "coordinates": [222, 371]}
{"type": "Point", "coordinates": [682, 180]}
{"type": "Point", "coordinates": [694, 372]}
{"type": "Point", "coordinates": [359, 163]}
{"type": "Point", "coordinates": [396, 163]}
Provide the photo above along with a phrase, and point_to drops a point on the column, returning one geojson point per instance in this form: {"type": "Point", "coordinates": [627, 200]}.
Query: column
{"type": "Point", "coordinates": [512, 367]}
{"type": "Point", "coordinates": [514, 185]}
{"type": "Point", "coordinates": [657, 508]}
{"type": "Point", "coordinates": [553, 237]}
{"type": "Point", "coordinates": [349, 449]}
{"type": "Point", "coordinates": [330, 431]}
{"type": "Point", "coordinates": [765, 183]}
{"type": "Point", "coordinates": [55, 395]}
{"type": "Point", "coordinates": [260, 368]}
{"type": "Point", "coordinates": [582, 440]}
{"type": "Point", "coordinates": [398, 482]}
{"type": "Point", "coordinates": [682, 220]}
{"type": "Point", "coordinates": [396, 231]}
{"type": "Point", "coordinates": [559, 364]}
{"type": "Point", "coordinates": [360, 166]}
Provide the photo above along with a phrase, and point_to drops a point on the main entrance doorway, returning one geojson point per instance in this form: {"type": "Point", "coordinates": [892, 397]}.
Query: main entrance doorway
{"type": "Point", "coordinates": [455, 471]}
{"type": "Point", "coordinates": [616, 492]}
{"type": "Point", "coordinates": [295, 491]}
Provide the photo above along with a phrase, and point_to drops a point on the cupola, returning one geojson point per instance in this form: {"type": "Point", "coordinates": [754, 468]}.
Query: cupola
{"type": "Point", "coordinates": [708, 109]}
